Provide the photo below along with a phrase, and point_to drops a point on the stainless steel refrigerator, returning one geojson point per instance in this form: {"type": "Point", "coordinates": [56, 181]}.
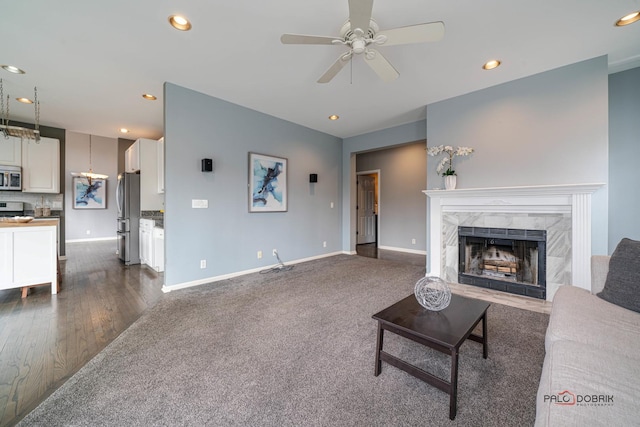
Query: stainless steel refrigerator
{"type": "Point", "coordinates": [128, 200]}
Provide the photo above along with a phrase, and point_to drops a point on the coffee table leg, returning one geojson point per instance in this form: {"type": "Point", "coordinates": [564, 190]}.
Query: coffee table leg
{"type": "Point", "coordinates": [378, 367]}
{"type": "Point", "coordinates": [485, 341]}
{"type": "Point", "coordinates": [453, 398]}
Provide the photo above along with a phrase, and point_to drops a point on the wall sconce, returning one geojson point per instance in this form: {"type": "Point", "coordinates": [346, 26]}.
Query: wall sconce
{"type": "Point", "coordinates": [207, 165]}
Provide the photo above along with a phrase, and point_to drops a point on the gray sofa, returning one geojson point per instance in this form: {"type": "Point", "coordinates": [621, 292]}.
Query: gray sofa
{"type": "Point", "coordinates": [591, 371]}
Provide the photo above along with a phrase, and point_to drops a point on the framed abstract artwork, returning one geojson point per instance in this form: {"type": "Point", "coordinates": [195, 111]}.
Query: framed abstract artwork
{"type": "Point", "coordinates": [267, 183]}
{"type": "Point", "coordinates": [89, 194]}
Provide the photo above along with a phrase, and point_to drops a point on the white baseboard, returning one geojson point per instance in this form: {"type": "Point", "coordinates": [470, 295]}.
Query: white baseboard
{"type": "Point", "coordinates": [96, 239]}
{"type": "Point", "coordinates": [206, 280]}
{"type": "Point", "coordinates": [409, 251]}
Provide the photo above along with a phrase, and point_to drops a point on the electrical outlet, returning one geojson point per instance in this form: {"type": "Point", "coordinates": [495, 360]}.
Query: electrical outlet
{"type": "Point", "coordinates": [259, 254]}
{"type": "Point", "coordinates": [275, 251]}
{"type": "Point", "coordinates": [413, 241]}
{"type": "Point", "coordinates": [331, 204]}
{"type": "Point", "coordinates": [203, 263]}
{"type": "Point", "coordinates": [88, 232]}
{"type": "Point", "coordinates": [324, 244]}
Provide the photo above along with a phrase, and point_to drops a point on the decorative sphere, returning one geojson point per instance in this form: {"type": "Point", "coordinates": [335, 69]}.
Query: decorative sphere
{"type": "Point", "coordinates": [433, 293]}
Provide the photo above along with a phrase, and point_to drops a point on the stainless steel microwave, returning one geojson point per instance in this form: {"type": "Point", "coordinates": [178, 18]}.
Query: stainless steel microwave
{"type": "Point", "coordinates": [10, 178]}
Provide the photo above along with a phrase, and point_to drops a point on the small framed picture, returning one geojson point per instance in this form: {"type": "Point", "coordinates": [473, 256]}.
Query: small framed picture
{"type": "Point", "coordinates": [267, 183]}
{"type": "Point", "coordinates": [89, 194]}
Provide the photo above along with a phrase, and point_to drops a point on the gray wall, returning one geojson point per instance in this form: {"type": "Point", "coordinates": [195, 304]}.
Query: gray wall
{"type": "Point", "coordinates": [403, 211]}
{"type": "Point", "coordinates": [550, 128]}
{"type": "Point", "coordinates": [225, 234]}
{"type": "Point", "coordinates": [385, 138]}
{"type": "Point", "coordinates": [101, 223]}
{"type": "Point", "coordinates": [624, 153]}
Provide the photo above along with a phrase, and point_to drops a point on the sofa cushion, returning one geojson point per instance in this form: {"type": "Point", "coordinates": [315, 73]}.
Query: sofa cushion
{"type": "Point", "coordinates": [602, 385]}
{"type": "Point", "coordinates": [577, 315]}
{"type": "Point", "coordinates": [622, 286]}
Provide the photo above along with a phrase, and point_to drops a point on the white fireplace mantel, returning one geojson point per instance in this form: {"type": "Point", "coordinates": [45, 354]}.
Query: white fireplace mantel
{"type": "Point", "coordinates": [571, 198]}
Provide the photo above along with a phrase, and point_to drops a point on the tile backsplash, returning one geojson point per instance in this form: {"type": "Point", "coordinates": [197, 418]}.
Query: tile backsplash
{"type": "Point", "coordinates": [31, 199]}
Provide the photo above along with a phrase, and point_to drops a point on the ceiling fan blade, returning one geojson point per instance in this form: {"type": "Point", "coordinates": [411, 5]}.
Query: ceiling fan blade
{"type": "Point", "coordinates": [421, 33]}
{"type": "Point", "coordinates": [381, 66]}
{"type": "Point", "coordinates": [360, 14]}
{"type": "Point", "coordinates": [335, 68]}
{"type": "Point", "coordinates": [303, 39]}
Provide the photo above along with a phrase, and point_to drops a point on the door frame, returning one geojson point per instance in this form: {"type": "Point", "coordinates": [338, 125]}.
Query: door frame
{"type": "Point", "coordinates": [378, 174]}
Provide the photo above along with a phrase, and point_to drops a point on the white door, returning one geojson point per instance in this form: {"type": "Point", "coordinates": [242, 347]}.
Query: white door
{"type": "Point", "coordinates": [366, 209]}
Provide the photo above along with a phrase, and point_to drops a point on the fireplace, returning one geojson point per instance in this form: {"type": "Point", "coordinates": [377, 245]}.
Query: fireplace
{"type": "Point", "coordinates": [509, 260]}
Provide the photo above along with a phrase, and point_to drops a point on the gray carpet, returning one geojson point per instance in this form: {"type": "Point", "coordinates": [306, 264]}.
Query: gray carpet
{"type": "Point", "coordinates": [296, 348]}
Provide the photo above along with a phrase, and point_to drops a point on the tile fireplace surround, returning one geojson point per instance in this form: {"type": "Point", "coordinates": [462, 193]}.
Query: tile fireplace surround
{"type": "Point", "coordinates": [564, 211]}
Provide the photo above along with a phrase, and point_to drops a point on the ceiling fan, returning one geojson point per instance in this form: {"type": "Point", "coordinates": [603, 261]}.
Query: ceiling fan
{"type": "Point", "coordinates": [361, 32]}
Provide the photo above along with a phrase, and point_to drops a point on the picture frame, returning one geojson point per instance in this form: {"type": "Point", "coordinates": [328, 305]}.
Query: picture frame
{"type": "Point", "coordinates": [268, 190]}
{"type": "Point", "coordinates": [89, 195]}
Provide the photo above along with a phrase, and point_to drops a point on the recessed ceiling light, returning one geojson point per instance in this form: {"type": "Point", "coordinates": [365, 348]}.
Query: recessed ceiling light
{"type": "Point", "coordinates": [149, 96]}
{"type": "Point", "coordinates": [334, 117]}
{"type": "Point", "coordinates": [490, 65]}
{"type": "Point", "coordinates": [628, 19]}
{"type": "Point", "coordinates": [180, 22]}
{"type": "Point", "coordinates": [12, 69]}
{"type": "Point", "coordinates": [24, 100]}
{"type": "Point", "coordinates": [124, 130]}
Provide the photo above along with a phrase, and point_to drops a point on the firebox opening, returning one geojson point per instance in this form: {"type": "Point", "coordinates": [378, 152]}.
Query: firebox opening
{"type": "Point", "coordinates": [510, 260]}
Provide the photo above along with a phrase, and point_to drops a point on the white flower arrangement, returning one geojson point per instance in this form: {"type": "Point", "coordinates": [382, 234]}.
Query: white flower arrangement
{"type": "Point", "coordinates": [447, 161]}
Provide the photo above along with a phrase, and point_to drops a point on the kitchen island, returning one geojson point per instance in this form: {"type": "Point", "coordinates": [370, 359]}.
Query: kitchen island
{"type": "Point", "coordinates": [28, 255]}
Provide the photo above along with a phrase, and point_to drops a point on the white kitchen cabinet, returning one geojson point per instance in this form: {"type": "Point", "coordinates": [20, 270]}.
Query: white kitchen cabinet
{"type": "Point", "coordinates": [28, 256]}
{"type": "Point", "coordinates": [160, 149]}
{"type": "Point", "coordinates": [10, 151]}
{"type": "Point", "coordinates": [150, 199]}
{"type": "Point", "coordinates": [41, 165]}
{"type": "Point", "coordinates": [132, 158]}
{"type": "Point", "coordinates": [151, 244]}
{"type": "Point", "coordinates": [146, 241]}
{"type": "Point", "coordinates": [158, 249]}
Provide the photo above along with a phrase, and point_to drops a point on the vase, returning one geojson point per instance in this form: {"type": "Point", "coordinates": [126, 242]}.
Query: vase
{"type": "Point", "coordinates": [450, 182]}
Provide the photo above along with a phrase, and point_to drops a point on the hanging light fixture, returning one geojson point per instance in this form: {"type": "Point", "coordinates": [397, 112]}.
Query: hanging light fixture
{"type": "Point", "coordinates": [90, 176]}
{"type": "Point", "coordinates": [18, 131]}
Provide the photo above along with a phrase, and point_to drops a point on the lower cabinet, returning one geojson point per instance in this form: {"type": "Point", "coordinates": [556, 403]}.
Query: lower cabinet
{"type": "Point", "coordinates": [146, 240]}
{"type": "Point", "coordinates": [151, 245]}
{"type": "Point", "coordinates": [158, 249]}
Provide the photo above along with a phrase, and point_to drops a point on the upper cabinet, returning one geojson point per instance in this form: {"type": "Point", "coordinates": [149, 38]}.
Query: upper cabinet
{"type": "Point", "coordinates": [161, 165]}
{"type": "Point", "coordinates": [132, 158]}
{"type": "Point", "coordinates": [10, 151]}
{"type": "Point", "coordinates": [41, 165]}
{"type": "Point", "coordinates": [143, 156]}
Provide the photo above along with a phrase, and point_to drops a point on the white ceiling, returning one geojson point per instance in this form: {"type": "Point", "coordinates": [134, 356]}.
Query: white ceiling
{"type": "Point", "coordinates": [92, 60]}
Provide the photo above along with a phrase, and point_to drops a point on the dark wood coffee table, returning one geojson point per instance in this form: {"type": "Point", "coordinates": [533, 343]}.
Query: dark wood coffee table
{"type": "Point", "coordinates": [444, 331]}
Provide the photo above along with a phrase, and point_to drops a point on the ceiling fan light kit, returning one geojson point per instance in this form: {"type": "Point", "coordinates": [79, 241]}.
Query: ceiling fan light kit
{"type": "Point", "coordinates": [360, 33]}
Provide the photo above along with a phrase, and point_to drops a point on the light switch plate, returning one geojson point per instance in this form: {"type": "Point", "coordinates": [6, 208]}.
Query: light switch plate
{"type": "Point", "coordinates": [199, 204]}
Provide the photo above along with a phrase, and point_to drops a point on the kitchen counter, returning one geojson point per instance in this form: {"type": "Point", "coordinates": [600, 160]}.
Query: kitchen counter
{"type": "Point", "coordinates": [40, 223]}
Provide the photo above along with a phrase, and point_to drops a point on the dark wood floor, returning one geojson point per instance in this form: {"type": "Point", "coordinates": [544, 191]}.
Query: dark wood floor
{"type": "Point", "coordinates": [44, 338]}
{"type": "Point", "coordinates": [371, 250]}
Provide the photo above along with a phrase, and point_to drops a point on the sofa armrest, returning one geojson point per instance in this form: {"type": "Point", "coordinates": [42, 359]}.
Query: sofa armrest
{"type": "Point", "coordinates": [599, 271]}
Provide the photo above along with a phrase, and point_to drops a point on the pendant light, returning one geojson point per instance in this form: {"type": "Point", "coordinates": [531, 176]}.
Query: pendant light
{"type": "Point", "coordinates": [90, 175]}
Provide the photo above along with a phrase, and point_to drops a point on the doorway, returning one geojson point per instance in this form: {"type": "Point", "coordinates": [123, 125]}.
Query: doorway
{"type": "Point", "coordinates": [368, 212]}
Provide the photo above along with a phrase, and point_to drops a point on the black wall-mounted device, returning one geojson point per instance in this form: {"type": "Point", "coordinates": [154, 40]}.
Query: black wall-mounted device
{"type": "Point", "coordinates": [313, 177]}
{"type": "Point", "coordinates": [207, 165]}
